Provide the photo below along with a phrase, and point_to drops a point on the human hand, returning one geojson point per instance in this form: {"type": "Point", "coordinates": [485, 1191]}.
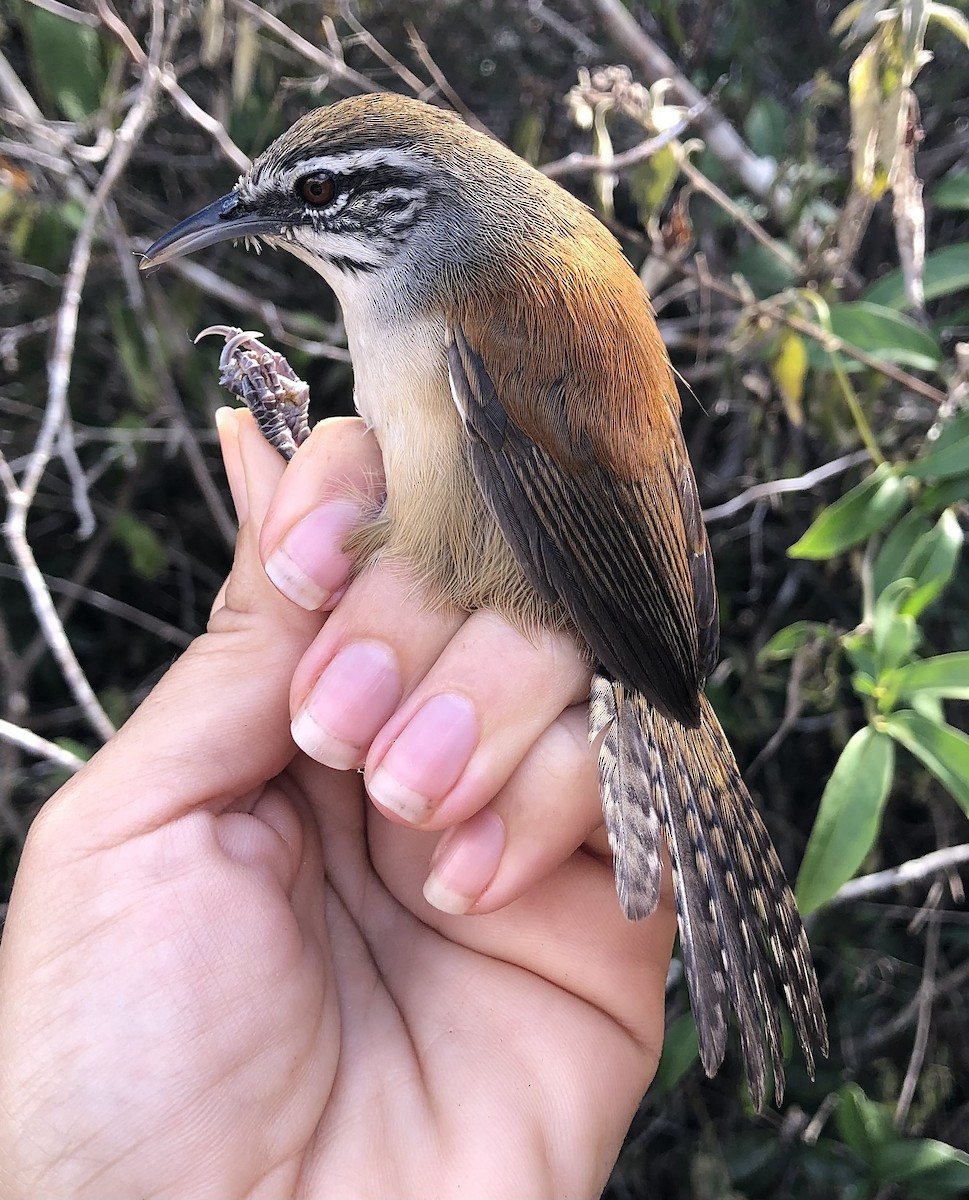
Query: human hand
{"type": "Point", "coordinates": [219, 976]}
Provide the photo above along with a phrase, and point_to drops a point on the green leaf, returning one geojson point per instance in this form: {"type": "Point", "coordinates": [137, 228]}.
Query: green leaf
{"type": "Point", "coordinates": [942, 462]}
{"type": "Point", "coordinates": [786, 642]}
{"type": "Point", "coordinates": [651, 181]}
{"type": "Point", "coordinates": [933, 562]}
{"type": "Point", "coordinates": [944, 750]}
{"type": "Point", "coordinates": [952, 192]}
{"type": "Point", "coordinates": [848, 817]}
{"type": "Point", "coordinates": [148, 554]}
{"type": "Point", "coordinates": [954, 430]}
{"type": "Point", "coordinates": [67, 61]}
{"type": "Point", "coordinates": [859, 513]}
{"type": "Point", "coordinates": [926, 1168]}
{"type": "Point", "coordinates": [767, 128]}
{"type": "Point", "coordinates": [936, 496]}
{"type": "Point", "coordinates": [886, 334]}
{"type": "Point", "coordinates": [858, 647]}
{"type": "Point", "coordinates": [864, 1125]}
{"type": "Point", "coordinates": [945, 675]}
{"type": "Point", "coordinates": [902, 539]}
{"type": "Point", "coordinates": [946, 272]}
{"type": "Point", "coordinates": [894, 635]}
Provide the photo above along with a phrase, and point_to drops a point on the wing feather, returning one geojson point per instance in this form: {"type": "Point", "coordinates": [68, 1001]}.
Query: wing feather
{"type": "Point", "coordinates": [624, 556]}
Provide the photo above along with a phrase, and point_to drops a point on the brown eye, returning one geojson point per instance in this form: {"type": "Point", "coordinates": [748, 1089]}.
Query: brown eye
{"type": "Point", "coordinates": [316, 190]}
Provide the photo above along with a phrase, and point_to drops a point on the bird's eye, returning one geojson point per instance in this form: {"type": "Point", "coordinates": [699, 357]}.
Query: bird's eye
{"type": "Point", "coordinates": [316, 190]}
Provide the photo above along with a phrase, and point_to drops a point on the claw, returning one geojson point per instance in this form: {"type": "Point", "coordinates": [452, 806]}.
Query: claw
{"type": "Point", "coordinates": [274, 394]}
{"type": "Point", "coordinates": [234, 338]}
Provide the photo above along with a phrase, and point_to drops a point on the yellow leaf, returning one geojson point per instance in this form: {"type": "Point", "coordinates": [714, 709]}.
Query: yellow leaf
{"type": "Point", "coordinates": [789, 369]}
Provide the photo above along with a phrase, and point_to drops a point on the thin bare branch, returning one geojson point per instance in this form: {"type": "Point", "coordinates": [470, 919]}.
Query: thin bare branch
{"type": "Point", "coordinates": [920, 1043]}
{"type": "Point", "coordinates": [279, 322]}
{"type": "Point", "coordinates": [66, 12]}
{"type": "Point", "coordinates": [913, 871]}
{"type": "Point", "coordinates": [585, 164]}
{"type": "Point", "coordinates": [403, 73]}
{"type": "Point", "coordinates": [777, 487]}
{"type": "Point", "coordinates": [163, 630]}
{"type": "Point", "coordinates": [35, 744]}
{"type": "Point", "coordinates": [758, 175]}
{"type": "Point", "coordinates": [169, 82]}
{"type": "Point", "coordinates": [565, 29]}
{"type": "Point", "coordinates": [21, 496]}
{"type": "Point", "coordinates": [420, 49]}
{"type": "Point", "coordinates": [339, 74]}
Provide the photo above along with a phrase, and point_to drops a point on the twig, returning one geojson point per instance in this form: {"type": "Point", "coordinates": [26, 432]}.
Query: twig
{"type": "Point", "coordinates": [430, 66]}
{"type": "Point", "coordinates": [35, 744]}
{"type": "Point", "coordinates": [793, 704]}
{"type": "Point", "coordinates": [783, 253]}
{"type": "Point", "coordinates": [776, 487]}
{"type": "Point", "coordinates": [403, 73]}
{"type": "Point", "coordinates": [187, 440]}
{"type": "Point", "coordinates": [758, 175]}
{"type": "Point", "coordinates": [564, 29]}
{"type": "Point", "coordinates": [582, 164]}
{"type": "Point", "coordinates": [920, 1043]}
{"type": "Point", "coordinates": [338, 70]}
{"type": "Point", "coordinates": [855, 407]}
{"type": "Point", "coordinates": [163, 630]}
{"type": "Point", "coordinates": [780, 315]}
{"type": "Point", "coordinates": [168, 81]}
{"type": "Point", "coordinates": [21, 495]}
{"type": "Point", "coordinates": [955, 981]}
{"type": "Point", "coordinates": [279, 322]}
{"type": "Point", "coordinates": [912, 871]}
{"type": "Point", "coordinates": [66, 12]}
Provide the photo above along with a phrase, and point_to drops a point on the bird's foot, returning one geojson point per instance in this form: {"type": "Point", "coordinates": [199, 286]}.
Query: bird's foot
{"type": "Point", "coordinates": [268, 385]}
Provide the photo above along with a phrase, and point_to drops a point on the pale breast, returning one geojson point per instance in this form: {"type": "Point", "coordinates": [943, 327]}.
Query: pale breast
{"type": "Point", "coordinates": [436, 522]}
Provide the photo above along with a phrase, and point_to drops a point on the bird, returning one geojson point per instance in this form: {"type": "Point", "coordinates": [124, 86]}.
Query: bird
{"type": "Point", "coordinates": [507, 358]}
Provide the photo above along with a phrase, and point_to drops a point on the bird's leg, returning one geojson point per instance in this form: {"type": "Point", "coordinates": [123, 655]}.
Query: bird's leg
{"type": "Point", "coordinates": [268, 385]}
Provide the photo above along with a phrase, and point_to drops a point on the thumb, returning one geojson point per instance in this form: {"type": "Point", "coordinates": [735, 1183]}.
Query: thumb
{"type": "Point", "coordinates": [216, 727]}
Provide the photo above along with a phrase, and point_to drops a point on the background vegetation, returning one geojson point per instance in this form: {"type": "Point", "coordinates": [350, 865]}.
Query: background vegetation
{"type": "Point", "coordinates": [800, 213]}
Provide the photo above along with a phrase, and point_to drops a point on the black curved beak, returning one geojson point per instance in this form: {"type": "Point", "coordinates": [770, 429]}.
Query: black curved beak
{"type": "Point", "coordinates": [226, 218]}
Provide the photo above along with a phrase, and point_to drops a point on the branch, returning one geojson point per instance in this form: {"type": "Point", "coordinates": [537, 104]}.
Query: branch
{"type": "Point", "coordinates": [776, 487]}
{"type": "Point", "coordinates": [20, 496]}
{"type": "Point", "coordinates": [584, 164]}
{"type": "Point", "coordinates": [335, 68]}
{"type": "Point", "coordinates": [758, 175]}
{"type": "Point", "coordinates": [35, 744]}
{"type": "Point", "coordinates": [913, 871]}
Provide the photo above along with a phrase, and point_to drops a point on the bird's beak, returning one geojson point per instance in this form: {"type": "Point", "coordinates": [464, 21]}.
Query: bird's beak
{"type": "Point", "coordinates": [226, 218]}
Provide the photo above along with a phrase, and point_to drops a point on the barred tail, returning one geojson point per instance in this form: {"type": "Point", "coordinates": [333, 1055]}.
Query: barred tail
{"type": "Point", "coordinates": [741, 936]}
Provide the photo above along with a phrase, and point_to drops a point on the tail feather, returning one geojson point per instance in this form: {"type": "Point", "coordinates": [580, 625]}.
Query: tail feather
{"type": "Point", "coordinates": [741, 936]}
{"type": "Point", "coordinates": [635, 830]}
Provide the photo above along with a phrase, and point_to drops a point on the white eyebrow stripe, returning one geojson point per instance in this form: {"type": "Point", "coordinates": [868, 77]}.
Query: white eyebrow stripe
{"type": "Point", "coordinates": [347, 164]}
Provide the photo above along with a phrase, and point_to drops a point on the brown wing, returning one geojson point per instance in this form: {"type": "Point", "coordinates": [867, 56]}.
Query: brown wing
{"type": "Point", "coordinates": [628, 557]}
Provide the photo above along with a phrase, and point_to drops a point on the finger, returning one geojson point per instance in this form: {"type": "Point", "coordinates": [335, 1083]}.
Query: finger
{"type": "Point", "coordinates": [334, 480]}
{"type": "Point", "coordinates": [217, 725]}
{"type": "Point", "coordinates": [546, 811]}
{"type": "Point", "coordinates": [375, 647]}
{"type": "Point", "coordinates": [466, 726]}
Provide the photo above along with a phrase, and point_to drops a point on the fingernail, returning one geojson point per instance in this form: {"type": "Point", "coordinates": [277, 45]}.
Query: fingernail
{"type": "Point", "coordinates": [353, 698]}
{"type": "Point", "coordinates": [465, 862]}
{"type": "Point", "coordinates": [309, 565]}
{"type": "Point", "coordinates": [427, 759]}
{"type": "Point", "coordinates": [228, 430]}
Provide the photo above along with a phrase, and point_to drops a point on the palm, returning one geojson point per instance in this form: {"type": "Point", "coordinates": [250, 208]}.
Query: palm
{"type": "Point", "coordinates": [219, 976]}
